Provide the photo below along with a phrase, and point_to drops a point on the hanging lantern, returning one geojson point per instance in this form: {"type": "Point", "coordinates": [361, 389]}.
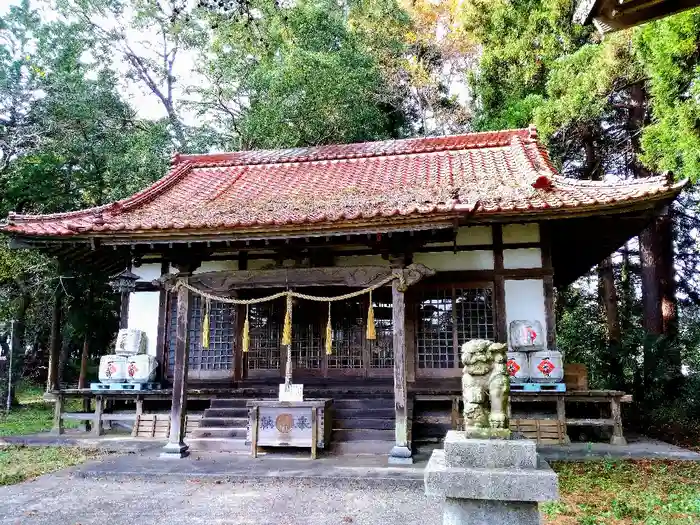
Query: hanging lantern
{"type": "Point", "coordinates": [124, 282]}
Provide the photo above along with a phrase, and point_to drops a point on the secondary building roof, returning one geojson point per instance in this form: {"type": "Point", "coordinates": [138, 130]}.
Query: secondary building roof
{"type": "Point", "coordinates": [481, 175]}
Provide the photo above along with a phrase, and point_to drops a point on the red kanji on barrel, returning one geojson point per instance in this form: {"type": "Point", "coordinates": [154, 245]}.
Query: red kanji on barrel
{"type": "Point", "coordinates": [546, 367]}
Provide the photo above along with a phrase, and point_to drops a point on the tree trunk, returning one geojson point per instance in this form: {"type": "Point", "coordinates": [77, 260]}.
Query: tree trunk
{"type": "Point", "coordinates": [609, 301]}
{"type": "Point", "coordinates": [55, 341]}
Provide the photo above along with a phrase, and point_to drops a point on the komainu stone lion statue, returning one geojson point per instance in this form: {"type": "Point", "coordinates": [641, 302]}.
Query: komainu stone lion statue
{"type": "Point", "coordinates": [484, 380]}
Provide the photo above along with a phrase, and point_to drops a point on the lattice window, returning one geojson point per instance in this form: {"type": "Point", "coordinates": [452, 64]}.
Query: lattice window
{"type": "Point", "coordinates": [382, 349]}
{"type": "Point", "coordinates": [307, 335]}
{"type": "Point", "coordinates": [222, 335]}
{"type": "Point", "coordinates": [447, 317]}
{"type": "Point", "coordinates": [474, 314]}
{"type": "Point", "coordinates": [435, 338]}
{"type": "Point", "coordinates": [266, 323]}
{"type": "Point", "coordinates": [349, 321]}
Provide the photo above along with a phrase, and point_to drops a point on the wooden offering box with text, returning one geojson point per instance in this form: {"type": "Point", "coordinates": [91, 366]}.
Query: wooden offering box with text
{"type": "Point", "coordinates": [275, 423]}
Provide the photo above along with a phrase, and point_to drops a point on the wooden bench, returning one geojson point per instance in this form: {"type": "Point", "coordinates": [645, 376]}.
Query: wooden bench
{"type": "Point", "coordinates": [612, 397]}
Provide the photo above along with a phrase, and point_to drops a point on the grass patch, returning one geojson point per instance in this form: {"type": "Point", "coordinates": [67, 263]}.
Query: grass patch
{"type": "Point", "coordinates": [19, 464]}
{"type": "Point", "coordinates": [34, 414]}
{"type": "Point", "coordinates": [625, 493]}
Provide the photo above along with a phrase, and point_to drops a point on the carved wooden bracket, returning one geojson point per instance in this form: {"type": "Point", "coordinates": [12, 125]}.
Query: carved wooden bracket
{"type": "Point", "coordinates": [227, 282]}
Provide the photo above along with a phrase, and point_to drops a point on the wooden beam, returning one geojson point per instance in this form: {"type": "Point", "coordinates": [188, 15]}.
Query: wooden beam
{"type": "Point", "coordinates": [176, 440]}
{"type": "Point", "coordinates": [359, 277]}
{"type": "Point", "coordinates": [401, 452]}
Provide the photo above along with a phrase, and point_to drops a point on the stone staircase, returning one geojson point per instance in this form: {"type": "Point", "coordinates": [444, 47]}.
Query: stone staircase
{"type": "Point", "coordinates": [223, 427]}
{"type": "Point", "coordinates": [363, 426]}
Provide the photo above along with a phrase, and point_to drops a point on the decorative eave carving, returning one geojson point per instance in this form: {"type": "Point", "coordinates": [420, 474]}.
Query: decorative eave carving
{"type": "Point", "coordinates": [227, 282]}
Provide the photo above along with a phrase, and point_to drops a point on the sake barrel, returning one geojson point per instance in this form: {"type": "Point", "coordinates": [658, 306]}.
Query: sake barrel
{"type": "Point", "coordinates": [130, 342]}
{"type": "Point", "coordinates": [518, 367]}
{"type": "Point", "coordinates": [112, 369]}
{"type": "Point", "coordinates": [141, 368]}
{"type": "Point", "coordinates": [546, 366]}
{"type": "Point", "coordinates": [526, 336]}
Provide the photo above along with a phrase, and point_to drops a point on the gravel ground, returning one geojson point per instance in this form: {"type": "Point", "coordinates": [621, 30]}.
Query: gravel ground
{"type": "Point", "coordinates": [62, 499]}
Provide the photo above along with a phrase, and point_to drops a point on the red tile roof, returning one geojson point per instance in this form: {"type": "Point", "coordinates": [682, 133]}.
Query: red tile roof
{"type": "Point", "coordinates": [504, 172]}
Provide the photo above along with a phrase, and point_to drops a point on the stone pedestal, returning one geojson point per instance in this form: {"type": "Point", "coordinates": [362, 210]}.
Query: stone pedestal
{"type": "Point", "coordinates": [489, 481]}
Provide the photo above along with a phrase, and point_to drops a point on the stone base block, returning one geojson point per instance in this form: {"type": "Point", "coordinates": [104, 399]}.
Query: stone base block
{"type": "Point", "coordinates": [507, 484]}
{"type": "Point", "coordinates": [485, 512]}
{"type": "Point", "coordinates": [400, 456]}
{"type": "Point", "coordinates": [489, 453]}
{"type": "Point", "coordinates": [174, 451]}
{"type": "Point", "coordinates": [618, 440]}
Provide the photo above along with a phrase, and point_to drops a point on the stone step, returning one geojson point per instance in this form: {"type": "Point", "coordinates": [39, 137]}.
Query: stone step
{"type": "Point", "coordinates": [355, 404]}
{"type": "Point", "coordinates": [226, 412]}
{"type": "Point", "coordinates": [363, 434]}
{"type": "Point", "coordinates": [219, 432]}
{"type": "Point", "coordinates": [221, 422]}
{"type": "Point", "coordinates": [354, 413]}
{"type": "Point", "coordinates": [367, 422]}
{"type": "Point", "coordinates": [359, 448]}
{"type": "Point", "coordinates": [229, 403]}
{"type": "Point", "coordinates": [218, 445]}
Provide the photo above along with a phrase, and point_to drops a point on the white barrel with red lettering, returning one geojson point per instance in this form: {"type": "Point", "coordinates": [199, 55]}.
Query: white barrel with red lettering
{"type": "Point", "coordinates": [546, 366]}
{"type": "Point", "coordinates": [141, 368]}
{"type": "Point", "coordinates": [112, 369]}
{"type": "Point", "coordinates": [518, 367]}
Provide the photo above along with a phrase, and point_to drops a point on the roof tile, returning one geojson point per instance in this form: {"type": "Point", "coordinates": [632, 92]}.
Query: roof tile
{"type": "Point", "coordinates": [482, 173]}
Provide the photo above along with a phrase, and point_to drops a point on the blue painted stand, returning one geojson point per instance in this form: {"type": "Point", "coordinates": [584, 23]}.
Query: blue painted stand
{"type": "Point", "coordinates": [538, 387]}
{"type": "Point", "coordinates": [124, 387]}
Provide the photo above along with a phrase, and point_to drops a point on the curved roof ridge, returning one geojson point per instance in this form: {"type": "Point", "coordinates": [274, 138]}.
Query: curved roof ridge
{"type": "Point", "coordinates": [357, 150]}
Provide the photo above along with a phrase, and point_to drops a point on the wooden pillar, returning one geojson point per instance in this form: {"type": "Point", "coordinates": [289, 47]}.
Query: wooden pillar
{"type": "Point", "coordinates": [55, 341]}
{"type": "Point", "coordinates": [499, 290]}
{"type": "Point", "coordinates": [176, 441]}
{"type": "Point", "coordinates": [124, 311]}
{"type": "Point", "coordinates": [401, 452]}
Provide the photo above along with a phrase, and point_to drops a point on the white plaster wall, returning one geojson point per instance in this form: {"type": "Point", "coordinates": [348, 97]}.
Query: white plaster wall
{"type": "Point", "coordinates": [470, 235]}
{"type": "Point", "coordinates": [522, 258]}
{"type": "Point", "coordinates": [518, 233]}
{"type": "Point", "coordinates": [525, 302]}
{"type": "Point", "coordinates": [449, 261]}
{"type": "Point", "coordinates": [143, 315]}
{"type": "Point", "coordinates": [143, 306]}
{"type": "Point", "coordinates": [361, 260]}
{"type": "Point", "coordinates": [147, 271]}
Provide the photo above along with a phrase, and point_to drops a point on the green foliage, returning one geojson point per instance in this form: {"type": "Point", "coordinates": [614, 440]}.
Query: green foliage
{"type": "Point", "coordinates": [297, 76]}
{"type": "Point", "coordinates": [520, 42]}
{"type": "Point", "coordinates": [668, 51]}
{"type": "Point", "coordinates": [33, 415]}
{"type": "Point", "coordinates": [18, 464]}
{"type": "Point", "coordinates": [620, 492]}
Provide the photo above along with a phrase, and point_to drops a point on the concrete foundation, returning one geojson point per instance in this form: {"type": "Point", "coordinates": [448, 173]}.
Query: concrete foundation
{"type": "Point", "coordinates": [489, 481]}
{"type": "Point", "coordinates": [458, 511]}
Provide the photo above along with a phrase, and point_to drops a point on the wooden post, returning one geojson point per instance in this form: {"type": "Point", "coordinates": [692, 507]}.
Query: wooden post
{"type": "Point", "coordinates": [615, 412]}
{"type": "Point", "coordinates": [55, 341]}
{"type": "Point", "coordinates": [499, 291]}
{"type": "Point", "coordinates": [176, 441]}
{"type": "Point", "coordinates": [401, 452]}
{"type": "Point", "coordinates": [124, 311]}
{"type": "Point", "coordinates": [254, 432]}
{"type": "Point", "coordinates": [314, 432]}
{"type": "Point", "coordinates": [97, 422]}
{"type": "Point", "coordinates": [561, 417]}
{"type": "Point", "coordinates": [57, 415]}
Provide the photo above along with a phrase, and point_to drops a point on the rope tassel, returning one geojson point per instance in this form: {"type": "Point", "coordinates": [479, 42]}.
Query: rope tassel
{"type": "Point", "coordinates": [245, 339]}
{"type": "Point", "coordinates": [371, 329]}
{"type": "Point", "coordinates": [287, 332]}
{"type": "Point", "coordinates": [329, 333]}
{"type": "Point", "coordinates": [205, 324]}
